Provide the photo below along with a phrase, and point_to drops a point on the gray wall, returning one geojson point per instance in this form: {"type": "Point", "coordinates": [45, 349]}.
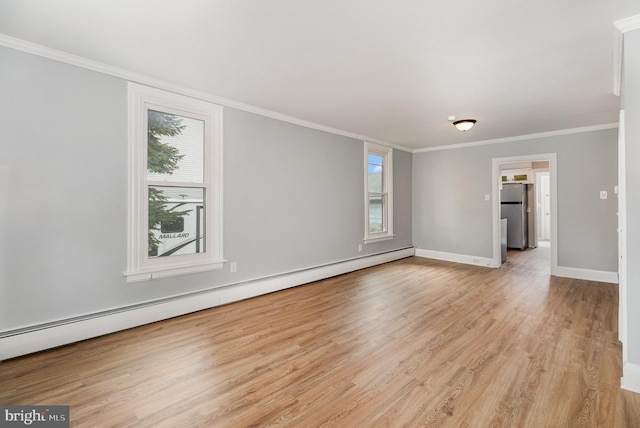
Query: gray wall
{"type": "Point", "coordinates": [293, 196]}
{"type": "Point", "coordinates": [450, 213]}
{"type": "Point", "coordinates": [631, 99]}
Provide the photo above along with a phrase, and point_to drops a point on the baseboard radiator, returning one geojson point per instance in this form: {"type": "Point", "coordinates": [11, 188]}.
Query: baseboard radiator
{"type": "Point", "coordinates": [22, 341]}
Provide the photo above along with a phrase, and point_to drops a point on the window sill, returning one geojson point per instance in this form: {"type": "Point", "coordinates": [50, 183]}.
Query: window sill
{"type": "Point", "coordinates": [372, 239]}
{"type": "Point", "coordinates": [169, 271]}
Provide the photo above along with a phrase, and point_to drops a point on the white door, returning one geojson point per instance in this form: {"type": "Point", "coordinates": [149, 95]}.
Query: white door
{"type": "Point", "coordinates": [544, 206]}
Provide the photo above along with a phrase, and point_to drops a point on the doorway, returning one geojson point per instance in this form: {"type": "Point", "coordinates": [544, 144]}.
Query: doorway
{"type": "Point", "coordinates": [542, 227]}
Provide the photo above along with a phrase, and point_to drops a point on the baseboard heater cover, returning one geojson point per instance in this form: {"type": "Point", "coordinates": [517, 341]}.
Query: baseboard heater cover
{"type": "Point", "coordinates": [22, 341]}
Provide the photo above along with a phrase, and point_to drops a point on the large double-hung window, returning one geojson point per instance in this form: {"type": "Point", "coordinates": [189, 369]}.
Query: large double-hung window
{"type": "Point", "coordinates": [175, 185]}
{"type": "Point", "coordinates": [378, 192]}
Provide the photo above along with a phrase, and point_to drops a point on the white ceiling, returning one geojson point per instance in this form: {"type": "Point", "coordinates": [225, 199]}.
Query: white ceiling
{"type": "Point", "coordinates": [392, 70]}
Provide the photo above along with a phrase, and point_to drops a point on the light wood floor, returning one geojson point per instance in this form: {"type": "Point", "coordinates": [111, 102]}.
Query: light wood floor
{"type": "Point", "coordinates": [415, 342]}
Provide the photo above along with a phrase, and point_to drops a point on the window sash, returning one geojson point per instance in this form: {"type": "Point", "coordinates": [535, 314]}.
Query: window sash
{"type": "Point", "coordinates": [377, 214]}
{"type": "Point", "coordinates": [193, 202]}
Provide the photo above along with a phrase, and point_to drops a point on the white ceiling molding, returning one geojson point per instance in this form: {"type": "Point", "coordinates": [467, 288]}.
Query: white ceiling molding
{"type": "Point", "coordinates": [620, 27]}
{"type": "Point", "coordinates": [628, 24]}
{"type": "Point", "coordinates": [78, 61]}
{"type": "Point", "coordinates": [522, 137]}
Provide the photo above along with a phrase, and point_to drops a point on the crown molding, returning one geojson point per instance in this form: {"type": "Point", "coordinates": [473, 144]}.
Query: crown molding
{"type": "Point", "coordinates": [131, 76]}
{"type": "Point", "coordinates": [620, 27]}
{"type": "Point", "coordinates": [521, 137]}
{"type": "Point", "coordinates": [628, 24]}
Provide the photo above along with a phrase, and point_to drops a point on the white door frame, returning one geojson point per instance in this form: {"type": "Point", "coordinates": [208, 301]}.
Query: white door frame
{"type": "Point", "coordinates": [622, 238]}
{"type": "Point", "coordinates": [496, 180]}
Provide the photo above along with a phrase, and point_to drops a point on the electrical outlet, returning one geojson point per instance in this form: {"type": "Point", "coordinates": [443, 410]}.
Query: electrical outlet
{"type": "Point", "coordinates": [603, 194]}
{"type": "Point", "coordinates": [359, 248]}
{"type": "Point", "coordinates": [233, 267]}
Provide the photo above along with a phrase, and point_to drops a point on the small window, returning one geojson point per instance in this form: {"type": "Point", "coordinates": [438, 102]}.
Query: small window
{"type": "Point", "coordinates": [175, 226]}
{"type": "Point", "coordinates": [175, 184]}
{"type": "Point", "coordinates": [378, 193]}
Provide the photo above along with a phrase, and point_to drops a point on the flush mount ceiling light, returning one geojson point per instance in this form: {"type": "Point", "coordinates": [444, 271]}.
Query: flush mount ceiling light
{"type": "Point", "coordinates": [464, 124]}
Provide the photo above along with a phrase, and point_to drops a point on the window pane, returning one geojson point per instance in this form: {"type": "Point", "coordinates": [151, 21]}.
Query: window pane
{"type": "Point", "coordinates": [175, 148]}
{"type": "Point", "coordinates": [376, 213]}
{"type": "Point", "coordinates": [176, 221]}
{"type": "Point", "coordinates": [173, 226]}
{"type": "Point", "coordinates": [374, 173]}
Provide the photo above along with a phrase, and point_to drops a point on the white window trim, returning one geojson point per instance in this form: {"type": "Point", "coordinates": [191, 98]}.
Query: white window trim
{"type": "Point", "coordinates": [387, 154]}
{"type": "Point", "coordinates": [139, 266]}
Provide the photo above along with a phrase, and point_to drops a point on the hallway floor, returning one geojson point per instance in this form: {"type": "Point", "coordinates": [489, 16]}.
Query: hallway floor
{"type": "Point", "coordinates": [531, 260]}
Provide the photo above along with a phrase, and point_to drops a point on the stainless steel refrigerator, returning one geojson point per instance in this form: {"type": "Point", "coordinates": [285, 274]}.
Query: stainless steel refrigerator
{"type": "Point", "coordinates": [513, 203]}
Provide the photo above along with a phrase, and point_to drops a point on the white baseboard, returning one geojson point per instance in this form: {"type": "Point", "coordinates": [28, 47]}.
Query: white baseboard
{"type": "Point", "coordinates": [565, 272]}
{"type": "Point", "coordinates": [40, 337]}
{"type": "Point", "coordinates": [458, 258]}
{"type": "Point", "coordinates": [630, 377]}
{"type": "Point", "coordinates": [586, 274]}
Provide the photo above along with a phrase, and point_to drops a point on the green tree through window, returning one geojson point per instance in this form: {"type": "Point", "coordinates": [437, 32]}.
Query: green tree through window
{"type": "Point", "coordinates": [162, 158]}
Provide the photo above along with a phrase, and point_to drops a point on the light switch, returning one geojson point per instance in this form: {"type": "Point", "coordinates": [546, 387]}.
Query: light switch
{"type": "Point", "coordinates": [603, 194]}
{"type": "Point", "coordinates": [486, 196]}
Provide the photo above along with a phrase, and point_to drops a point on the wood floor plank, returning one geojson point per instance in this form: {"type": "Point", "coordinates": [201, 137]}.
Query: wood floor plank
{"type": "Point", "coordinates": [415, 342]}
